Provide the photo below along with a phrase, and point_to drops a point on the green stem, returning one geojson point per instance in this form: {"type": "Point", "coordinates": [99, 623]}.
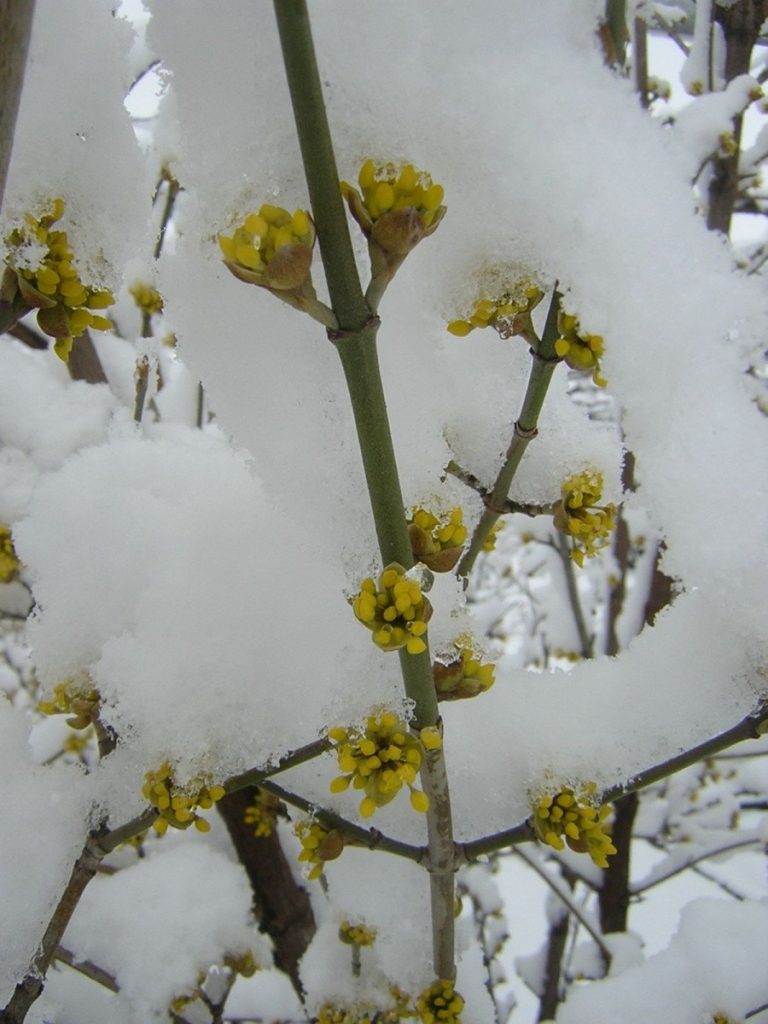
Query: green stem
{"type": "Point", "coordinates": [356, 344]}
{"type": "Point", "coordinates": [309, 112]}
{"type": "Point", "coordinates": [585, 640]}
{"type": "Point", "coordinates": [542, 368]}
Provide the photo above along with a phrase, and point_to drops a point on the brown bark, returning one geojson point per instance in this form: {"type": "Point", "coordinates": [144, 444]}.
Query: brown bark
{"type": "Point", "coordinates": [15, 31]}
{"type": "Point", "coordinates": [84, 363]}
{"type": "Point", "coordinates": [282, 906]}
{"type": "Point", "coordinates": [614, 894]}
{"type": "Point", "coordinates": [661, 592]}
{"type": "Point", "coordinates": [741, 25]}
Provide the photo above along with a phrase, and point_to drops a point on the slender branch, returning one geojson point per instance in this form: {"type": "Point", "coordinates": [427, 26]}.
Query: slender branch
{"type": "Point", "coordinates": [170, 200]}
{"type": "Point", "coordinates": [640, 60]}
{"type": "Point", "coordinates": [542, 368]}
{"type": "Point", "coordinates": [371, 838]}
{"type": "Point", "coordinates": [752, 726]}
{"type": "Point", "coordinates": [567, 900]}
{"type": "Point", "coordinates": [255, 776]}
{"type": "Point", "coordinates": [16, 18]}
{"type": "Point", "coordinates": [97, 846]}
{"type": "Point", "coordinates": [757, 1009]}
{"type": "Point", "coordinates": [552, 990]}
{"type": "Point", "coordinates": [525, 508]}
{"type": "Point", "coordinates": [691, 861]}
{"type": "Point", "coordinates": [585, 639]}
{"type": "Point", "coordinates": [673, 34]}
{"type": "Point", "coordinates": [87, 968]}
{"type": "Point", "coordinates": [27, 336]}
{"type": "Point", "coordinates": [31, 986]}
{"type": "Point", "coordinates": [748, 728]}
{"type": "Point", "coordinates": [441, 861]}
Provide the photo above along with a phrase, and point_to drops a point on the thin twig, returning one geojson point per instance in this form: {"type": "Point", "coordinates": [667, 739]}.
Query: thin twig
{"type": "Point", "coordinates": [585, 639]}
{"type": "Point", "coordinates": [695, 858]}
{"type": "Point", "coordinates": [88, 968]}
{"type": "Point", "coordinates": [567, 900]}
{"type": "Point", "coordinates": [525, 508]}
{"type": "Point", "coordinates": [372, 839]}
{"type": "Point", "coordinates": [750, 727]}
{"type": "Point", "coordinates": [542, 368]}
{"type": "Point", "coordinates": [170, 200]}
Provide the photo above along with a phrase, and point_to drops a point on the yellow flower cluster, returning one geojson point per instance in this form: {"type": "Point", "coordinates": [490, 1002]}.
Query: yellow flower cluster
{"type": "Point", "coordinates": [262, 814]}
{"type": "Point", "coordinates": [464, 675]}
{"type": "Point", "coordinates": [440, 1004]}
{"type": "Point", "coordinates": [52, 284]}
{"type": "Point", "coordinates": [356, 934]}
{"type": "Point", "coordinates": [147, 298]}
{"type": "Point", "coordinates": [394, 609]}
{"type": "Point", "coordinates": [177, 805]}
{"type": "Point", "coordinates": [581, 351]}
{"type": "Point", "coordinates": [318, 845]}
{"type": "Point", "coordinates": [76, 696]}
{"type": "Point", "coordinates": [271, 248]}
{"type": "Point", "coordinates": [396, 207]}
{"type": "Point", "coordinates": [437, 541]}
{"type": "Point", "coordinates": [9, 562]}
{"type": "Point", "coordinates": [382, 758]}
{"type": "Point", "coordinates": [579, 516]}
{"type": "Point", "coordinates": [508, 314]}
{"type": "Point", "coordinates": [564, 818]}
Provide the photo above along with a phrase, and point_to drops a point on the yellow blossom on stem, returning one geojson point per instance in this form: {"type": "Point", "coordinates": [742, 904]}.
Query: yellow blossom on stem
{"type": "Point", "coordinates": [318, 845]}
{"type": "Point", "coordinates": [394, 609]}
{"type": "Point", "coordinates": [262, 814]}
{"type": "Point", "coordinates": [463, 674]}
{"type": "Point", "coordinates": [396, 206]}
{"type": "Point", "coordinates": [40, 273]}
{"type": "Point", "coordinates": [509, 313]}
{"type": "Point", "coordinates": [581, 351]}
{"type": "Point", "coordinates": [381, 758]}
{"type": "Point", "coordinates": [271, 248]}
{"type": "Point", "coordinates": [176, 805]}
{"type": "Point", "coordinates": [579, 515]}
{"type": "Point", "coordinates": [440, 1004]}
{"type": "Point", "coordinates": [563, 817]}
{"type": "Point", "coordinates": [76, 696]}
{"type": "Point", "coordinates": [437, 540]}
{"type": "Point", "coordinates": [9, 561]}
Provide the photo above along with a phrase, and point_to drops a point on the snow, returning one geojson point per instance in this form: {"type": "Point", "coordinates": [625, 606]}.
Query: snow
{"type": "Point", "coordinates": [202, 576]}
{"type": "Point", "coordinates": [145, 954]}
{"type": "Point", "coordinates": [691, 981]}
{"type": "Point", "coordinates": [45, 819]}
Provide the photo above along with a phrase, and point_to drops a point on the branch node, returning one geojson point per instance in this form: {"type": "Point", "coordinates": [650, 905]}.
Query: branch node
{"type": "Point", "coordinates": [341, 334]}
